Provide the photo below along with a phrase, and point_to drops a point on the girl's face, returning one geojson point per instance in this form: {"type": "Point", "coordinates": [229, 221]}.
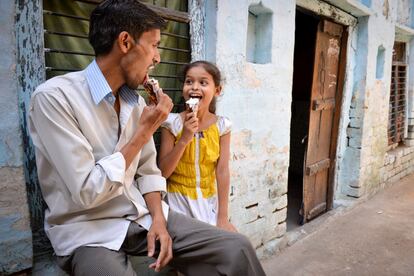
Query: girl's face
{"type": "Point", "coordinates": [199, 83]}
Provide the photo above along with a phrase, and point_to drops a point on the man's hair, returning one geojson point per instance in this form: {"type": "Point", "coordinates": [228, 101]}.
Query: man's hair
{"type": "Point", "coordinates": [112, 17]}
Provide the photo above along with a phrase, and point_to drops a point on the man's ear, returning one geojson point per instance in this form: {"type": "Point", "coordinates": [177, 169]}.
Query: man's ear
{"type": "Point", "coordinates": [125, 42]}
{"type": "Point", "coordinates": [218, 90]}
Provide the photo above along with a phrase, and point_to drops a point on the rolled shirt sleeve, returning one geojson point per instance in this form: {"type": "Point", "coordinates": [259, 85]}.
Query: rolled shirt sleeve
{"type": "Point", "coordinates": [114, 167]}
{"type": "Point", "coordinates": [149, 175]}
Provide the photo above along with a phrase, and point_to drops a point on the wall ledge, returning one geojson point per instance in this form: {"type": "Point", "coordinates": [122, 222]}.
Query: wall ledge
{"type": "Point", "coordinates": [353, 7]}
{"type": "Point", "coordinates": [403, 33]}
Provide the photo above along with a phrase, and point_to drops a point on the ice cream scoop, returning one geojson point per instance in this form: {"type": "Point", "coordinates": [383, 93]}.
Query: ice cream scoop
{"type": "Point", "coordinates": [193, 104]}
{"type": "Point", "coordinates": [152, 87]}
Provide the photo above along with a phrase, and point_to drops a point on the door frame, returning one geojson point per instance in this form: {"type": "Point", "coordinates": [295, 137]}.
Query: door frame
{"type": "Point", "coordinates": [342, 66]}
{"type": "Point", "coordinates": [325, 10]}
{"type": "Point", "coordinates": [337, 117]}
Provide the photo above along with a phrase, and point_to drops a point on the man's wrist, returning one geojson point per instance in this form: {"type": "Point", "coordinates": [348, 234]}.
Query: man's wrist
{"type": "Point", "coordinates": [142, 135]}
{"type": "Point", "coordinates": [159, 218]}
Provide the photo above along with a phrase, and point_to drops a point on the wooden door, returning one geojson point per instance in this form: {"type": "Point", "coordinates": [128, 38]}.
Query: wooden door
{"type": "Point", "coordinates": [318, 156]}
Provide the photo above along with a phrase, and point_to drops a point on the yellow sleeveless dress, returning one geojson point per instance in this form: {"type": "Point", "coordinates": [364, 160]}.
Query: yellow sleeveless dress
{"type": "Point", "coordinates": [192, 188]}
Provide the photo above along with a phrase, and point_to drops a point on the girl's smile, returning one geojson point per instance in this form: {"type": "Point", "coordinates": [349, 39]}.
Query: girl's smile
{"type": "Point", "coordinates": [200, 84]}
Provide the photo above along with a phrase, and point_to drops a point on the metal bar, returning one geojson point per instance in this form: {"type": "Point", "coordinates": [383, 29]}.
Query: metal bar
{"type": "Point", "coordinates": [173, 62]}
{"type": "Point", "coordinates": [64, 34]}
{"type": "Point", "coordinates": [399, 64]}
{"type": "Point", "coordinates": [174, 49]}
{"type": "Point", "coordinates": [93, 2]}
{"type": "Point", "coordinates": [175, 35]}
{"type": "Point", "coordinates": [60, 51]}
{"type": "Point", "coordinates": [64, 15]}
{"type": "Point", "coordinates": [396, 113]}
{"type": "Point", "coordinates": [165, 76]}
{"type": "Point", "coordinates": [86, 36]}
{"type": "Point", "coordinates": [50, 69]}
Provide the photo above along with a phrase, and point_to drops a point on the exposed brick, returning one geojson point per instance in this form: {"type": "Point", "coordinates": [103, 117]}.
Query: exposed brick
{"type": "Point", "coordinates": [409, 142]}
{"type": "Point", "coordinates": [353, 132]}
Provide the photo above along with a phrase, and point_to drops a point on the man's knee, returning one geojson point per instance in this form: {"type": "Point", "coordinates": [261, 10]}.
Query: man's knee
{"type": "Point", "coordinates": [100, 261]}
{"type": "Point", "coordinates": [237, 244]}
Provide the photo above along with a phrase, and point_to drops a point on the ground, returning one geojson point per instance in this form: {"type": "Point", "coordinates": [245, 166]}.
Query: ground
{"type": "Point", "coordinates": [374, 237]}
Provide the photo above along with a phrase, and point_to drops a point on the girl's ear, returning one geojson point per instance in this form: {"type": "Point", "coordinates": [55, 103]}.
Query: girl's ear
{"type": "Point", "coordinates": [218, 90]}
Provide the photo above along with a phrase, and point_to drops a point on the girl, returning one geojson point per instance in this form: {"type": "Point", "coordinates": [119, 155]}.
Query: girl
{"type": "Point", "coordinates": [195, 150]}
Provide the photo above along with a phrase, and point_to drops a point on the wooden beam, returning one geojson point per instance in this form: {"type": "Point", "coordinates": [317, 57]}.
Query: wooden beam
{"type": "Point", "coordinates": [169, 14]}
{"type": "Point", "coordinates": [166, 13]}
{"type": "Point", "coordinates": [318, 166]}
{"type": "Point", "coordinates": [323, 104]}
{"type": "Point", "coordinates": [324, 9]}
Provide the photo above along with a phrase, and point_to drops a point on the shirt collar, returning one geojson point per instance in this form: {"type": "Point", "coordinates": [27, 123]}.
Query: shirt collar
{"type": "Point", "coordinates": [100, 88]}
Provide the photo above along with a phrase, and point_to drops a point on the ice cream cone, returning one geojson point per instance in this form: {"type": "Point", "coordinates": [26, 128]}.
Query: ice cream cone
{"type": "Point", "coordinates": [193, 105]}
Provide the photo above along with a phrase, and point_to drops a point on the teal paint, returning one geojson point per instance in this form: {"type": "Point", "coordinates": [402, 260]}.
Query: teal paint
{"type": "Point", "coordinates": [15, 234]}
{"type": "Point", "coordinates": [380, 62]}
{"type": "Point", "coordinates": [31, 73]}
{"type": "Point", "coordinates": [10, 135]}
{"type": "Point", "coordinates": [16, 254]}
{"type": "Point", "coordinates": [259, 34]}
{"type": "Point", "coordinates": [366, 3]}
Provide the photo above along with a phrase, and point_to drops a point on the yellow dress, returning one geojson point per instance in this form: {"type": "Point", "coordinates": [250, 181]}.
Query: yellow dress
{"type": "Point", "coordinates": [192, 188]}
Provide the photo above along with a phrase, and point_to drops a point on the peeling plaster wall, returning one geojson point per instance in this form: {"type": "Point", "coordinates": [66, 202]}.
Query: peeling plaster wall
{"type": "Point", "coordinates": [367, 163]}
{"type": "Point", "coordinates": [404, 12]}
{"type": "Point", "coordinates": [15, 233]}
{"type": "Point", "coordinates": [257, 99]}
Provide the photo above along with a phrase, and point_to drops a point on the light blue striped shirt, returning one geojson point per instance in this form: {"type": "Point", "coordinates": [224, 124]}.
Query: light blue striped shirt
{"type": "Point", "coordinates": [100, 88]}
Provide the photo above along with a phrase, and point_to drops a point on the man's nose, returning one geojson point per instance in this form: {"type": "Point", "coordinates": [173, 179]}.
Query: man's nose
{"type": "Point", "coordinates": [157, 58]}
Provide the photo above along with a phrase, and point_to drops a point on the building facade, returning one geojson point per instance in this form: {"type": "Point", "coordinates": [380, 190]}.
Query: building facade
{"type": "Point", "coordinates": [320, 94]}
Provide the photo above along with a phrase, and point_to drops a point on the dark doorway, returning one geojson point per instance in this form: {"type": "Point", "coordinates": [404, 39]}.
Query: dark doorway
{"type": "Point", "coordinates": [304, 53]}
{"type": "Point", "coordinates": [318, 75]}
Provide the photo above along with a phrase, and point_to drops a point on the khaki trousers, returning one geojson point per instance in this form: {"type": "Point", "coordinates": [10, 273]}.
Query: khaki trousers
{"type": "Point", "coordinates": [198, 249]}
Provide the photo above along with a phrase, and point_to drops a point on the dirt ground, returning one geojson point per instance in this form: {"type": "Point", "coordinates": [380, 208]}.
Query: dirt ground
{"type": "Point", "coordinates": [375, 237]}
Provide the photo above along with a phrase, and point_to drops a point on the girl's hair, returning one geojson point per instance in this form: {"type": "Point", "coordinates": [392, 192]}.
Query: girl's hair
{"type": "Point", "coordinates": [215, 73]}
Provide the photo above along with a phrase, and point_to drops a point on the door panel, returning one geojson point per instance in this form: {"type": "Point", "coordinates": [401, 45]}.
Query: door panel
{"type": "Point", "coordinates": [322, 111]}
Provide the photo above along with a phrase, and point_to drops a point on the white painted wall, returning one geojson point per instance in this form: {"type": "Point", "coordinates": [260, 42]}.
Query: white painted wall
{"type": "Point", "coordinates": [257, 98]}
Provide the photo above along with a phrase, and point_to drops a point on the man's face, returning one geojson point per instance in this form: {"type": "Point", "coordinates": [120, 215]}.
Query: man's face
{"type": "Point", "coordinates": [142, 56]}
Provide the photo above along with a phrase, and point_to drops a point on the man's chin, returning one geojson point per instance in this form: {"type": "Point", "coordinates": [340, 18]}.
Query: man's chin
{"type": "Point", "coordinates": [133, 86]}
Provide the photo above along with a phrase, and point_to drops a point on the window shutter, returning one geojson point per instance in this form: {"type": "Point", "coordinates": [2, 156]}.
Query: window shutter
{"type": "Point", "coordinates": [397, 106]}
{"type": "Point", "coordinates": [66, 25]}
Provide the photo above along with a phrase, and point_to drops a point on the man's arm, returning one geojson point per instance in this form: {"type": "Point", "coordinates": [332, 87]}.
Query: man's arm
{"type": "Point", "coordinates": [150, 182]}
{"type": "Point", "coordinates": [150, 121]}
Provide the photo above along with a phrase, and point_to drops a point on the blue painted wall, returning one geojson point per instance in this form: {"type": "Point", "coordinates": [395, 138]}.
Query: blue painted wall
{"type": "Point", "coordinates": [10, 135]}
{"type": "Point", "coordinates": [15, 232]}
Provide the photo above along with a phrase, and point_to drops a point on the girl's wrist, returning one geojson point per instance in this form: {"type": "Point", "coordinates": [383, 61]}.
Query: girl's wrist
{"type": "Point", "coordinates": [222, 217]}
{"type": "Point", "coordinates": [183, 142]}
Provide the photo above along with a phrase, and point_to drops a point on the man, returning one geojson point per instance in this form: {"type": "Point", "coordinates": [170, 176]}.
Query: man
{"type": "Point", "coordinates": [97, 162]}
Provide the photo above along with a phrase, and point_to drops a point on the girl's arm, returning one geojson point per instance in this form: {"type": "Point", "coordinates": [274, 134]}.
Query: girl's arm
{"type": "Point", "coordinates": [170, 154]}
{"type": "Point", "coordinates": [223, 184]}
